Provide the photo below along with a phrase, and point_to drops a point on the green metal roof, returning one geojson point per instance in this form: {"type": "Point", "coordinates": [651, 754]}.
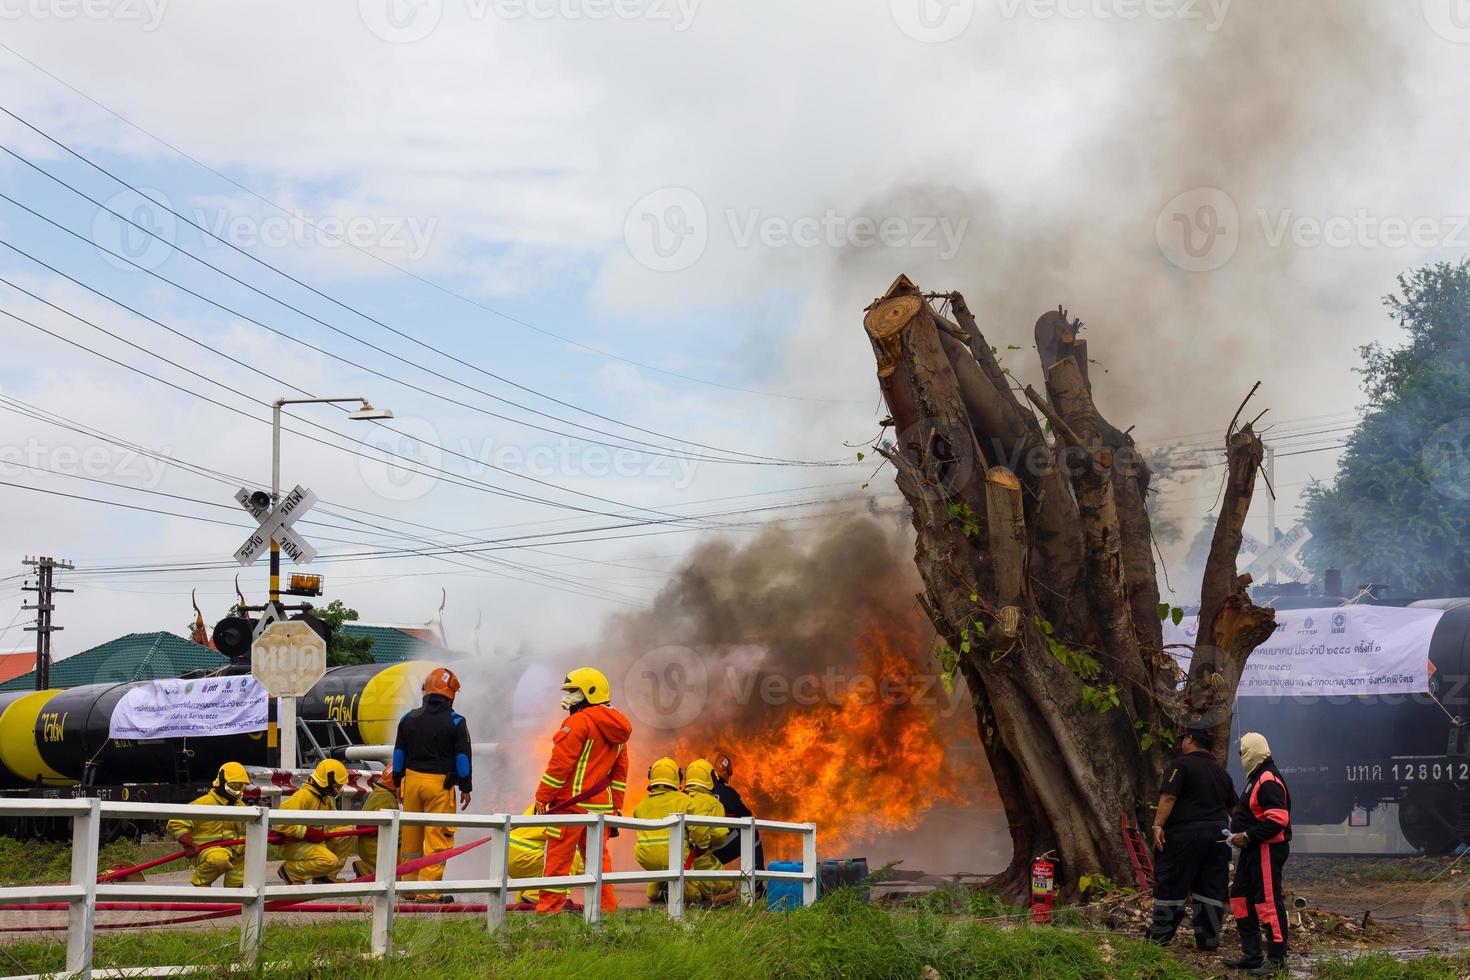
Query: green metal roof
{"type": "Point", "coordinates": [135, 657]}
{"type": "Point", "coordinates": [153, 656]}
{"type": "Point", "coordinates": [391, 646]}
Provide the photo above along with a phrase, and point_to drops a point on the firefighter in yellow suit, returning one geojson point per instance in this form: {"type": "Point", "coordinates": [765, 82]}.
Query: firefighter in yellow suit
{"type": "Point", "coordinates": [196, 835]}
{"type": "Point", "coordinates": [528, 857]}
{"type": "Point", "coordinates": [309, 854]}
{"type": "Point", "coordinates": [664, 799]}
{"type": "Point", "coordinates": [699, 786]}
{"type": "Point", "coordinates": [384, 796]}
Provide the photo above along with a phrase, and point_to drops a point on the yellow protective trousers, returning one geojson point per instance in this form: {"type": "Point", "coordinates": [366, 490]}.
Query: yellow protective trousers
{"type": "Point", "coordinates": [305, 860]}
{"type": "Point", "coordinates": [424, 792]}
{"type": "Point", "coordinates": [367, 844]}
{"type": "Point", "coordinates": [215, 861]}
{"type": "Point", "coordinates": [212, 862]}
{"type": "Point", "coordinates": [704, 841]}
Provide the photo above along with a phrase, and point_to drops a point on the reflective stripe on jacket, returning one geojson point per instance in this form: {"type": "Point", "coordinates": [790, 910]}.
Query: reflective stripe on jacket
{"type": "Point", "coordinates": [652, 849]}
{"type": "Point", "coordinates": [1264, 811]}
{"type": "Point", "coordinates": [307, 797]}
{"type": "Point", "coordinates": [589, 747]}
{"type": "Point", "coordinates": [207, 829]}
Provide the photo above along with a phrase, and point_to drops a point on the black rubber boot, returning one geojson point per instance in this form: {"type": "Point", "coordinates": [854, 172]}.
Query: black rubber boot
{"type": "Point", "coordinates": [1270, 968]}
{"type": "Point", "coordinates": [1251, 955]}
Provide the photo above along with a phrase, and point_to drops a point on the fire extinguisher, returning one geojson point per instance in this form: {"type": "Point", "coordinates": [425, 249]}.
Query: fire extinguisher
{"type": "Point", "coordinates": [1043, 888]}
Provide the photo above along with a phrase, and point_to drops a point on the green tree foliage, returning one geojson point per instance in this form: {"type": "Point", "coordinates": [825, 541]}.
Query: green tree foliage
{"type": "Point", "coordinates": [1398, 512]}
{"type": "Point", "coordinates": [344, 649]}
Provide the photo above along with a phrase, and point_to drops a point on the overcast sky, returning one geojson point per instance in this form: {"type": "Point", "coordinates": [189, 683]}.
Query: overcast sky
{"type": "Point", "coordinates": [661, 219]}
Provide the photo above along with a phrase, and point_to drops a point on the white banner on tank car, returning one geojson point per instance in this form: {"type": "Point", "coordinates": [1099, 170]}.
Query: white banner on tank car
{"type": "Point", "coordinates": [178, 708]}
{"type": "Point", "coordinates": [1345, 650]}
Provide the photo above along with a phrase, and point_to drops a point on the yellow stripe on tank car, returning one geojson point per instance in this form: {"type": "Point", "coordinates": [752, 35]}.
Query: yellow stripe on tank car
{"type": "Point", "coordinates": [386, 696]}
{"type": "Point", "coordinates": [18, 750]}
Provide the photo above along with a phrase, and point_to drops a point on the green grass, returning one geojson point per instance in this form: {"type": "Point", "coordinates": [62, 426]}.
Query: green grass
{"type": "Point", "coordinates": [48, 863]}
{"type": "Point", "coordinates": [1380, 966]}
{"type": "Point", "coordinates": [838, 938]}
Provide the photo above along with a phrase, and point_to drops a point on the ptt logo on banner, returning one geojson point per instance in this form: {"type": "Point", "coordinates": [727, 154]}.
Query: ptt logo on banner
{"type": "Point", "coordinates": [1339, 622]}
{"type": "Point", "coordinates": [1307, 629]}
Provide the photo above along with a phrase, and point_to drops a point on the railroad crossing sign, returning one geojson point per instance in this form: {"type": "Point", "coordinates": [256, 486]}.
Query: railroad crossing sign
{"type": "Point", "coordinates": [276, 523]}
{"type": "Point", "coordinates": [288, 658]}
{"type": "Point", "coordinates": [1278, 554]}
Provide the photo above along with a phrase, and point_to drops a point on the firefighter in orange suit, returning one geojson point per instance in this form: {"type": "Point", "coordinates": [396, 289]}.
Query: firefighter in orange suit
{"type": "Point", "coordinates": [1261, 827]}
{"type": "Point", "coordinates": [587, 773]}
{"type": "Point", "coordinates": [431, 758]}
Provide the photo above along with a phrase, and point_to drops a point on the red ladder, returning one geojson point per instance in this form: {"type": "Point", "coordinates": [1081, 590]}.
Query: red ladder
{"type": "Point", "coordinates": [1138, 853]}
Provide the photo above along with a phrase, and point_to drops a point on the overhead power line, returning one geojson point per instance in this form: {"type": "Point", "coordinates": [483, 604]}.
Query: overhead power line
{"type": "Point", "coordinates": [414, 465]}
{"type": "Point", "coordinates": [223, 307]}
{"type": "Point", "coordinates": [15, 405]}
{"type": "Point", "coordinates": [312, 289]}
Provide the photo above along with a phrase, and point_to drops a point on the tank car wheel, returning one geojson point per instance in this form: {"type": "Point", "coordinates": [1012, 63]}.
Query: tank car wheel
{"type": "Point", "coordinates": [1422, 818]}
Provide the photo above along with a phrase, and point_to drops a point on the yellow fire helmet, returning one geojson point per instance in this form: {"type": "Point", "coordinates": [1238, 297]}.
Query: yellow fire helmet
{"type": "Point", "coordinates": [591, 682]}
{"type": "Point", "coordinates": [230, 774]}
{"type": "Point", "coordinates": [330, 775]}
{"type": "Point", "coordinates": [664, 772]}
{"type": "Point", "coordinates": [700, 773]}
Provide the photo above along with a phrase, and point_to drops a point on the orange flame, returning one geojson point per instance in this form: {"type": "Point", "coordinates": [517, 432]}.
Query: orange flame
{"type": "Point", "coordinates": [868, 759]}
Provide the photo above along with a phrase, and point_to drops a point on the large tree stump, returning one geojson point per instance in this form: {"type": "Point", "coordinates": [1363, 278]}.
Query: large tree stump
{"type": "Point", "coordinates": [1034, 545]}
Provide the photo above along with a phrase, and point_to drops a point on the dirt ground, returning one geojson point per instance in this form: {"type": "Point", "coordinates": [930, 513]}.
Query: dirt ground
{"type": "Point", "coordinates": [1342, 906]}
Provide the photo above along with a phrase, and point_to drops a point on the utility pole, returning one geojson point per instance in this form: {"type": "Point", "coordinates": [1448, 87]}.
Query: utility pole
{"type": "Point", "coordinates": [1271, 506]}
{"type": "Point", "coordinates": [45, 588]}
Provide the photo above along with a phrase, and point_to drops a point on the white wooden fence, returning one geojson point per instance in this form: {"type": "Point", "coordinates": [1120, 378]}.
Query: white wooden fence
{"type": "Point", "coordinates": [84, 892]}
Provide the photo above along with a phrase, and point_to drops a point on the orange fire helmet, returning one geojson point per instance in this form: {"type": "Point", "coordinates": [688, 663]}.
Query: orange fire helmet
{"type": "Point", "coordinates": [441, 680]}
{"type": "Point", "coordinates": [385, 780]}
{"type": "Point", "coordinates": [723, 764]}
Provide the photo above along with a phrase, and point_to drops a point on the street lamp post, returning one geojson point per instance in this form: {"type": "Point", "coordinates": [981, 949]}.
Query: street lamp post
{"type": "Point", "coordinates": [286, 713]}
{"type": "Point", "coordinates": [366, 413]}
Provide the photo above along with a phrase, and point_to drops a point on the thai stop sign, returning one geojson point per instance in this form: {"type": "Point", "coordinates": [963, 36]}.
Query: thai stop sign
{"type": "Point", "coordinates": [288, 658]}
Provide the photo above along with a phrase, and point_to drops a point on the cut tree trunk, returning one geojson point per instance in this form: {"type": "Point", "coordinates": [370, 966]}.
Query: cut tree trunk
{"type": "Point", "coordinates": [1034, 546]}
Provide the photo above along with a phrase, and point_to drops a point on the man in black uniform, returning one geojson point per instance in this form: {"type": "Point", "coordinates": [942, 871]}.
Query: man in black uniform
{"type": "Point", "coordinates": [1193, 862]}
{"type": "Point", "coordinates": [734, 806]}
{"type": "Point", "coordinates": [1261, 828]}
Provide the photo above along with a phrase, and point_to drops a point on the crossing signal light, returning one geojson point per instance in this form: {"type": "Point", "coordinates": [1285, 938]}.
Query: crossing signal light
{"type": "Point", "coordinates": [307, 585]}
{"type": "Point", "coordinates": [232, 637]}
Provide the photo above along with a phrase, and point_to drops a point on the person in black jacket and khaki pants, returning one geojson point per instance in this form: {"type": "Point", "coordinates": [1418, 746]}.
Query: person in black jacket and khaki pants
{"type": "Point", "coordinates": [1261, 828]}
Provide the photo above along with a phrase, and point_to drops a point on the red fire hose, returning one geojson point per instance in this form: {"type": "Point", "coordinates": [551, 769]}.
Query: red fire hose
{"type": "Point", "coordinates": [215, 910]}
{"type": "Point", "coordinates": [273, 839]}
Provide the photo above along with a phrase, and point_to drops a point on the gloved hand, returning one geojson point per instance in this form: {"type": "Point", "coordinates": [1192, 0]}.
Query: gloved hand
{"type": "Point", "coordinates": [541, 808]}
{"type": "Point", "coordinates": [315, 835]}
{"type": "Point", "coordinates": [186, 841]}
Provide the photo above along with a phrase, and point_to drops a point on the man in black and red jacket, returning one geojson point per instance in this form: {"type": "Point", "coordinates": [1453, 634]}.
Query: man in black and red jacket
{"type": "Point", "coordinates": [1261, 827]}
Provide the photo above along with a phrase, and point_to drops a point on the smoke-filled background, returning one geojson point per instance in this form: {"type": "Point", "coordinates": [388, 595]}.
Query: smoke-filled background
{"type": "Point", "coordinates": [1216, 188]}
{"type": "Point", "coordinates": [666, 225]}
{"type": "Point", "coordinates": [805, 658]}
